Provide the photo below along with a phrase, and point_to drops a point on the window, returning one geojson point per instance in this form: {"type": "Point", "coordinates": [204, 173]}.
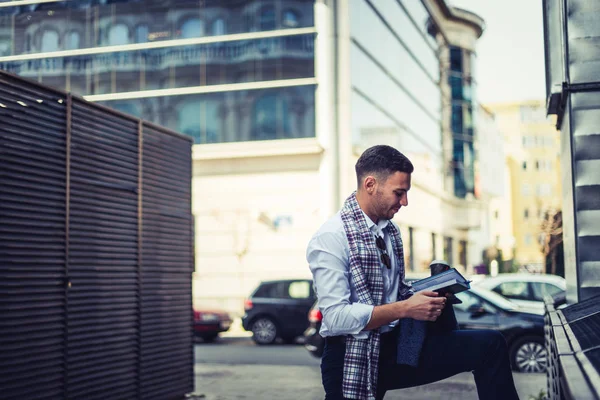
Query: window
{"type": "Point", "coordinates": [528, 239]}
{"type": "Point", "coordinates": [541, 289]}
{"type": "Point", "coordinates": [272, 290]}
{"type": "Point", "coordinates": [513, 290]}
{"type": "Point", "coordinates": [469, 300]}
{"type": "Point", "coordinates": [525, 189]}
{"type": "Point", "coordinates": [267, 19]}
{"type": "Point", "coordinates": [462, 253]}
{"type": "Point", "coordinates": [496, 214]}
{"type": "Point", "coordinates": [5, 46]}
{"type": "Point", "coordinates": [49, 41]}
{"type": "Point", "coordinates": [291, 19]}
{"type": "Point", "coordinates": [524, 165]}
{"type": "Point", "coordinates": [118, 35]}
{"type": "Point", "coordinates": [299, 290]}
{"type": "Point", "coordinates": [218, 27]}
{"type": "Point", "coordinates": [270, 118]}
{"type": "Point", "coordinates": [200, 120]}
{"type": "Point", "coordinates": [456, 59]}
{"type": "Point", "coordinates": [127, 108]}
{"type": "Point", "coordinates": [537, 165]}
{"type": "Point", "coordinates": [526, 213]}
{"type": "Point", "coordinates": [448, 256]}
{"type": "Point", "coordinates": [72, 40]}
{"type": "Point", "coordinates": [193, 27]}
{"type": "Point", "coordinates": [141, 33]}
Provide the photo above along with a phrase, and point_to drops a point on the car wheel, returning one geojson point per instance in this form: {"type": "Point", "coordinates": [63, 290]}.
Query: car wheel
{"type": "Point", "coordinates": [264, 331]}
{"type": "Point", "coordinates": [528, 354]}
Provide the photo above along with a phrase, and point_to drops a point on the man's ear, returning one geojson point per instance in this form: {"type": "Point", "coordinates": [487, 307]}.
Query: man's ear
{"type": "Point", "coordinates": [369, 184]}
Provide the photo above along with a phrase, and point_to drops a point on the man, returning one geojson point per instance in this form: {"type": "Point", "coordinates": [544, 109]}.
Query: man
{"type": "Point", "coordinates": [374, 326]}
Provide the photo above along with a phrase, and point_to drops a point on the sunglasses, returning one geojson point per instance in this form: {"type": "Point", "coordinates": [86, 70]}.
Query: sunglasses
{"type": "Point", "coordinates": [385, 258]}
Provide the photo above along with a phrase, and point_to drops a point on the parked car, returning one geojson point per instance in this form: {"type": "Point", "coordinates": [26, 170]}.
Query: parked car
{"type": "Point", "coordinates": [526, 290]}
{"type": "Point", "coordinates": [278, 309]}
{"type": "Point", "coordinates": [209, 323]}
{"type": "Point", "coordinates": [523, 328]}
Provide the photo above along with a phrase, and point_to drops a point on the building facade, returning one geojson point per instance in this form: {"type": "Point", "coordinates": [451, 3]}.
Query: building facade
{"type": "Point", "coordinates": [533, 156]}
{"type": "Point", "coordinates": [281, 98]}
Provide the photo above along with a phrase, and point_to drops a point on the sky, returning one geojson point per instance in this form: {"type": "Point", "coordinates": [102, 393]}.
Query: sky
{"type": "Point", "coordinates": [510, 53]}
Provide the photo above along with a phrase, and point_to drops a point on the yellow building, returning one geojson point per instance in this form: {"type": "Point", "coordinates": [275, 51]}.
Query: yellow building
{"type": "Point", "coordinates": [532, 147]}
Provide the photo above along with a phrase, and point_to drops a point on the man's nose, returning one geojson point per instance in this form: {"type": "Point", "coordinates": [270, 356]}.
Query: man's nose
{"type": "Point", "coordinates": [404, 201]}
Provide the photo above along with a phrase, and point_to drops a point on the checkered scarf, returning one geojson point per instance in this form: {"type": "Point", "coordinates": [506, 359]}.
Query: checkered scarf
{"type": "Point", "coordinates": [361, 362]}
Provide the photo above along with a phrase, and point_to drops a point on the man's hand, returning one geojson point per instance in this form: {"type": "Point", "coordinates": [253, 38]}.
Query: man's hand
{"type": "Point", "coordinates": [425, 306]}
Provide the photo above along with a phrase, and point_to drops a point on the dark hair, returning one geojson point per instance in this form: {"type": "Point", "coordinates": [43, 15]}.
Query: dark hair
{"type": "Point", "coordinates": [381, 161]}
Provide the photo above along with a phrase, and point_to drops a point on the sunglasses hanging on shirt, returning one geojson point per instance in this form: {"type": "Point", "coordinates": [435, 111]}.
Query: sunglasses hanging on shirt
{"type": "Point", "coordinates": [385, 258]}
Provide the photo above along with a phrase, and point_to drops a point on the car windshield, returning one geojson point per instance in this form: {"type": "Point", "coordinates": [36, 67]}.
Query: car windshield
{"type": "Point", "coordinates": [494, 298]}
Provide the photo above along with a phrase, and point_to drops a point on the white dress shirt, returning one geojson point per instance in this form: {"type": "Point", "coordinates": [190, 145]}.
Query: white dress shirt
{"type": "Point", "coordinates": [328, 255]}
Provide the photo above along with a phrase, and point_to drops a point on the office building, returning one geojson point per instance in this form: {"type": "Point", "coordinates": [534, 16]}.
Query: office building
{"type": "Point", "coordinates": [281, 98]}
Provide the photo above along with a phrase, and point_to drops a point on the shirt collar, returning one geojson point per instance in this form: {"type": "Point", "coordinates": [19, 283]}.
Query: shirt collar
{"type": "Point", "coordinates": [376, 228]}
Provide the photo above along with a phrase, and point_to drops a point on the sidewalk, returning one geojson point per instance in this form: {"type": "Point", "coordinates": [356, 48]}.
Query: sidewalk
{"type": "Point", "coordinates": [272, 382]}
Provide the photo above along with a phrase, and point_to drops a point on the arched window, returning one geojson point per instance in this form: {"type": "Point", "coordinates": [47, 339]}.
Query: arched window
{"type": "Point", "coordinates": [200, 120]}
{"type": "Point", "coordinates": [193, 27]}
{"type": "Point", "coordinates": [267, 19]}
{"type": "Point", "coordinates": [270, 119]}
{"type": "Point", "coordinates": [291, 19]}
{"type": "Point", "coordinates": [72, 40]}
{"type": "Point", "coordinates": [141, 33]}
{"type": "Point", "coordinates": [49, 41]}
{"type": "Point", "coordinates": [118, 34]}
{"type": "Point", "coordinates": [218, 27]}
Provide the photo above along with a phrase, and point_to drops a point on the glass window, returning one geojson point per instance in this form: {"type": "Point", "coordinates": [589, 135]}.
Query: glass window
{"type": "Point", "coordinates": [191, 28]}
{"type": "Point", "coordinates": [470, 300]}
{"type": "Point", "coordinates": [526, 213]}
{"type": "Point", "coordinates": [286, 57]}
{"type": "Point", "coordinates": [49, 41]}
{"type": "Point", "coordinates": [271, 119]}
{"type": "Point", "coordinates": [513, 290]}
{"type": "Point", "coordinates": [456, 86]}
{"type": "Point", "coordinates": [291, 19]}
{"type": "Point", "coordinates": [72, 40]}
{"type": "Point", "coordinates": [5, 46]}
{"type": "Point", "coordinates": [118, 35]}
{"type": "Point", "coordinates": [141, 33]}
{"type": "Point", "coordinates": [127, 108]}
{"type": "Point", "coordinates": [457, 118]}
{"type": "Point", "coordinates": [200, 120]}
{"type": "Point", "coordinates": [524, 165]}
{"type": "Point", "coordinates": [274, 290]}
{"type": "Point", "coordinates": [218, 27]}
{"type": "Point", "coordinates": [448, 254]}
{"type": "Point", "coordinates": [528, 239]}
{"type": "Point", "coordinates": [299, 290]}
{"type": "Point", "coordinates": [456, 59]}
{"type": "Point", "coordinates": [541, 289]}
{"type": "Point", "coordinates": [267, 19]}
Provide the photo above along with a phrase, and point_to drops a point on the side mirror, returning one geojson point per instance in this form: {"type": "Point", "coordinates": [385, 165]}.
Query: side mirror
{"type": "Point", "coordinates": [476, 310]}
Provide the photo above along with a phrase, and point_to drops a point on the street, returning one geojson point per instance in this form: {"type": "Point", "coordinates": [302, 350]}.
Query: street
{"type": "Point", "coordinates": [235, 368]}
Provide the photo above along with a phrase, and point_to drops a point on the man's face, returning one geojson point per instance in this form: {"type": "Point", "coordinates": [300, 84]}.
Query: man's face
{"type": "Point", "coordinates": [391, 195]}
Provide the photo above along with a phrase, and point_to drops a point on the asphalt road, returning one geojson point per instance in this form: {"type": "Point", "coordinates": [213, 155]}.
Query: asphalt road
{"type": "Point", "coordinates": [244, 351]}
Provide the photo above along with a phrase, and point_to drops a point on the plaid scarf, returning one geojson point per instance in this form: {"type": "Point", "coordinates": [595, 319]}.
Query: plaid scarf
{"type": "Point", "coordinates": [361, 363]}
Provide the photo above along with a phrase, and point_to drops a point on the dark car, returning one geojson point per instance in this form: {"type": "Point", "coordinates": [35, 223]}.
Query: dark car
{"type": "Point", "coordinates": [278, 309]}
{"type": "Point", "coordinates": [480, 309]}
{"type": "Point", "coordinates": [209, 323]}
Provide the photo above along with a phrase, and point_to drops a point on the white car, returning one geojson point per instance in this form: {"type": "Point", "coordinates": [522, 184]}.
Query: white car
{"type": "Point", "coordinates": [526, 290]}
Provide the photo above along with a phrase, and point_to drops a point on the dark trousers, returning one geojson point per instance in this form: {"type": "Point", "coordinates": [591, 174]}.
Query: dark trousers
{"type": "Point", "coordinates": [444, 354]}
